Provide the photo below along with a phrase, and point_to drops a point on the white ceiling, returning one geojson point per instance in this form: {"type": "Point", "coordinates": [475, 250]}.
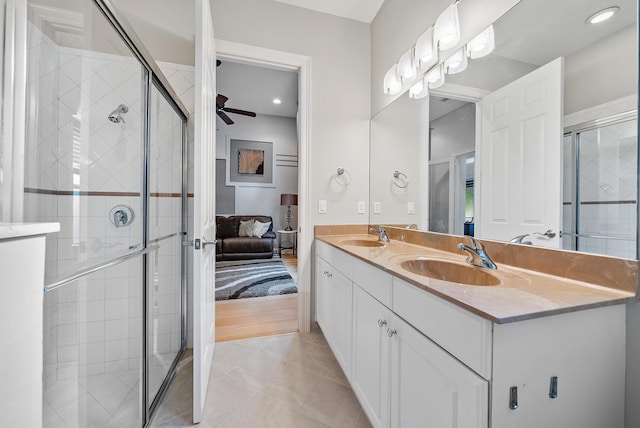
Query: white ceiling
{"type": "Point", "coordinates": [360, 10]}
{"type": "Point", "coordinates": [253, 88]}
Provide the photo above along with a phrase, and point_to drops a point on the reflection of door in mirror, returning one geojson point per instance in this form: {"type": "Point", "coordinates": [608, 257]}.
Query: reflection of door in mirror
{"type": "Point", "coordinates": [520, 154]}
{"type": "Point", "coordinates": [600, 187]}
{"type": "Point", "coordinates": [452, 142]}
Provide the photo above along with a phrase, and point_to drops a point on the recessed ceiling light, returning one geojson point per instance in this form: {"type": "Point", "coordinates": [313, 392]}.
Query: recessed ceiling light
{"type": "Point", "coordinates": [277, 101]}
{"type": "Point", "coordinates": [602, 15]}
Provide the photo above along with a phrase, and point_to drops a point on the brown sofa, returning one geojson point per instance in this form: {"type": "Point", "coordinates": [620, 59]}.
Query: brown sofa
{"type": "Point", "coordinates": [230, 246]}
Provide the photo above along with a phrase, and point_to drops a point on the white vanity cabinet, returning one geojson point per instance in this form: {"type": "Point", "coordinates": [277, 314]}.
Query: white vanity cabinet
{"type": "Point", "coordinates": [416, 359]}
{"type": "Point", "coordinates": [370, 368]}
{"type": "Point", "coordinates": [334, 305]}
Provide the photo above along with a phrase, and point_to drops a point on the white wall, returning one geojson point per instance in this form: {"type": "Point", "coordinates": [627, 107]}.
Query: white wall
{"type": "Point", "coordinates": [454, 133]}
{"type": "Point", "coordinates": [339, 111]}
{"type": "Point", "coordinates": [399, 138]}
{"type": "Point", "coordinates": [603, 72]}
{"type": "Point", "coordinates": [281, 131]}
{"type": "Point", "coordinates": [399, 23]}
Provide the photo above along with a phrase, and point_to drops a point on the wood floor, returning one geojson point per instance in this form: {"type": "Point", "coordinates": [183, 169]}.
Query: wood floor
{"type": "Point", "coordinates": [259, 316]}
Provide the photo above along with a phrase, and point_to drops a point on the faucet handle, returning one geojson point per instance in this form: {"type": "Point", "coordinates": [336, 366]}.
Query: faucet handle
{"type": "Point", "coordinates": [477, 245]}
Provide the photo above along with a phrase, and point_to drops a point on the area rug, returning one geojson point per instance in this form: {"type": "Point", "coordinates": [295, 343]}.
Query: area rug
{"type": "Point", "coordinates": [239, 279]}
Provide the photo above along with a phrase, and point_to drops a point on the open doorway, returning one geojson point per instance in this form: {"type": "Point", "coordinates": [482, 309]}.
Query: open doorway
{"type": "Point", "coordinates": [452, 140]}
{"type": "Point", "coordinates": [256, 186]}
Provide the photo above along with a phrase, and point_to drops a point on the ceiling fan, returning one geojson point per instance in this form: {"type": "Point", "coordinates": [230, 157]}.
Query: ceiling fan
{"type": "Point", "coordinates": [222, 110]}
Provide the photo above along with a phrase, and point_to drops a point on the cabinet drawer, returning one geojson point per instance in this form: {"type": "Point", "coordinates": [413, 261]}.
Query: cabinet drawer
{"type": "Point", "coordinates": [336, 258]}
{"type": "Point", "coordinates": [463, 334]}
{"type": "Point", "coordinates": [373, 280]}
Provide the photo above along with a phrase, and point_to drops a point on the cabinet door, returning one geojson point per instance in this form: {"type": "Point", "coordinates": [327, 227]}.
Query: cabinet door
{"type": "Point", "coordinates": [323, 288]}
{"type": "Point", "coordinates": [431, 388]}
{"type": "Point", "coordinates": [370, 357]}
{"type": "Point", "coordinates": [340, 310]}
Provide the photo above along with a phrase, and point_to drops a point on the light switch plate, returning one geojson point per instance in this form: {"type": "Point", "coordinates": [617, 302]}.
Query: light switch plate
{"type": "Point", "coordinates": [361, 207]}
{"type": "Point", "coordinates": [376, 208]}
{"type": "Point", "coordinates": [411, 207]}
{"type": "Point", "coordinates": [322, 206]}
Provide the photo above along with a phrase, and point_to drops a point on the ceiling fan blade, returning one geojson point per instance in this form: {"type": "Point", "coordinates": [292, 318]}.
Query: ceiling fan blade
{"type": "Point", "coordinates": [224, 117]}
{"type": "Point", "coordinates": [220, 100]}
{"type": "Point", "coordinates": [236, 111]}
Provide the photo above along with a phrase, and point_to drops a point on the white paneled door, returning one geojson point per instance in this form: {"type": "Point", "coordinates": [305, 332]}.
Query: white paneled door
{"type": "Point", "coordinates": [520, 158]}
{"type": "Point", "coordinates": [204, 207]}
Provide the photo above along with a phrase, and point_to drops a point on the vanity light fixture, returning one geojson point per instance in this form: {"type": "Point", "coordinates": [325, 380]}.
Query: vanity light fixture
{"type": "Point", "coordinates": [447, 28]}
{"type": "Point", "coordinates": [406, 68]}
{"type": "Point", "coordinates": [426, 50]}
{"type": "Point", "coordinates": [392, 84]}
{"type": "Point", "coordinates": [277, 101]}
{"type": "Point", "coordinates": [602, 15]}
{"type": "Point", "coordinates": [419, 90]}
{"type": "Point", "coordinates": [483, 44]}
{"type": "Point", "coordinates": [435, 77]}
{"type": "Point", "coordinates": [457, 62]}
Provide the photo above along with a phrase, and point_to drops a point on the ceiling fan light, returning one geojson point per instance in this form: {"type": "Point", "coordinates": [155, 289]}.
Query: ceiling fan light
{"type": "Point", "coordinates": [392, 84]}
{"type": "Point", "coordinates": [419, 90]}
{"type": "Point", "coordinates": [482, 45]}
{"type": "Point", "coordinates": [457, 62]}
{"type": "Point", "coordinates": [426, 50]}
{"type": "Point", "coordinates": [435, 77]}
{"type": "Point", "coordinates": [406, 67]}
{"type": "Point", "coordinates": [447, 28]}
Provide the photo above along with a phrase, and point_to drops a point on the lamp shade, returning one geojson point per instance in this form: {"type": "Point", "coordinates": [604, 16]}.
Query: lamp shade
{"type": "Point", "coordinates": [482, 45]}
{"type": "Point", "coordinates": [288, 199]}
{"type": "Point", "coordinates": [419, 90]}
{"type": "Point", "coordinates": [447, 28]}
{"type": "Point", "coordinates": [406, 68]}
{"type": "Point", "coordinates": [426, 51]}
{"type": "Point", "coordinates": [392, 84]}
{"type": "Point", "coordinates": [435, 77]}
{"type": "Point", "coordinates": [457, 62]}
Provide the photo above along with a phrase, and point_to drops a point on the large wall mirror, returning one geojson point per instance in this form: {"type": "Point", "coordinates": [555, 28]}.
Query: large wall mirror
{"type": "Point", "coordinates": [535, 142]}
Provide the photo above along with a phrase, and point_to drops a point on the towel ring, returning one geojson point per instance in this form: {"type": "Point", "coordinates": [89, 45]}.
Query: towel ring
{"type": "Point", "coordinates": [399, 179]}
{"type": "Point", "coordinates": [341, 173]}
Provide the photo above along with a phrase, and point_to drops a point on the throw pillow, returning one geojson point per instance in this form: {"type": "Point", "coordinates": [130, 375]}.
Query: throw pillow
{"type": "Point", "coordinates": [260, 229]}
{"type": "Point", "coordinates": [228, 227]}
{"type": "Point", "coordinates": [246, 228]}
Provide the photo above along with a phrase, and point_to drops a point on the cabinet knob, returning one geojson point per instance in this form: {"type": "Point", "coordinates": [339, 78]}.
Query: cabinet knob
{"type": "Point", "coordinates": [391, 332]}
{"type": "Point", "coordinates": [382, 323]}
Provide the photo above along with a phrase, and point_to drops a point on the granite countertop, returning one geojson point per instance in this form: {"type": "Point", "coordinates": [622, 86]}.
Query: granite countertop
{"type": "Point", "coordinates": [521, 294]}
{"type": "Point", "coordinates": [19, 230]}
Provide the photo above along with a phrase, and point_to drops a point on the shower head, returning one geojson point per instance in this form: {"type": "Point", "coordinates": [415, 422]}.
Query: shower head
{"type": "Point", "coordinates": [116, 115]}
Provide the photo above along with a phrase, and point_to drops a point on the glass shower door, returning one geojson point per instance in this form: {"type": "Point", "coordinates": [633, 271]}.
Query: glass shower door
{"type": "Point", "coordinates": [165, 230]}
{"type": "Point", "coordinates": [606, 189]}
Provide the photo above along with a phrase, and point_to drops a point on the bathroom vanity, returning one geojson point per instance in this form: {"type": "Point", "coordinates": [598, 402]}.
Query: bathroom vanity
{"type": "Point", "coordinates": [516, 348]}
{"type": "Point", "coordinates": [22, 249]}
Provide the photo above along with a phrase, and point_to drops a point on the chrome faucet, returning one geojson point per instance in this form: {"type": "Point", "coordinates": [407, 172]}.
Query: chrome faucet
{"type": "Point", "coordinates": [476, 254]}
{"type": "Point", "coordinates": [411, 226]}
{"type": "Point", "coordinates": [382, 234]}
{"type": "Point", "coordinates": [519, 240]}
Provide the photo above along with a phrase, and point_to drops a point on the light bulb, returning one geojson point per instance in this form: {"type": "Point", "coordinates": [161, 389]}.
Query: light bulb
{"type": "Point", "coordinates": [426, 51]}
{"type": "Point", "coordinates": [392, 84]}
{"type": "Point", "coordinates": [447, 28]}
{"type": "Point", "coordinates": [482, 45]}
{"type": "Point", "coordinates": [419, 90]}
{"type": "Point", "coordinates": [457, 62]}
{"type": "Point", "coordinates": [406, 68]}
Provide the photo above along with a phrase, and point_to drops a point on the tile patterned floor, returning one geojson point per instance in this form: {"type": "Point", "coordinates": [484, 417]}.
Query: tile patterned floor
{"type": "Point", "coordinates": [290, 380]}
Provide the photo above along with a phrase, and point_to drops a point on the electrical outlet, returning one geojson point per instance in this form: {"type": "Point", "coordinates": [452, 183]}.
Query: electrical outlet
{"type": "Point", "coordinates": [361, 207]}
{"type": "Point", "coordinates": [411, 207]}
{"type": "Point", "coordinates": [322, 206]}
{"type": "Point", "coordinates": [377, 208]}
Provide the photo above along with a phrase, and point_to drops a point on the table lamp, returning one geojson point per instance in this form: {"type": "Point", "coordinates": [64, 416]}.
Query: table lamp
{"type": "Point", "coordinates": [288, 200]}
